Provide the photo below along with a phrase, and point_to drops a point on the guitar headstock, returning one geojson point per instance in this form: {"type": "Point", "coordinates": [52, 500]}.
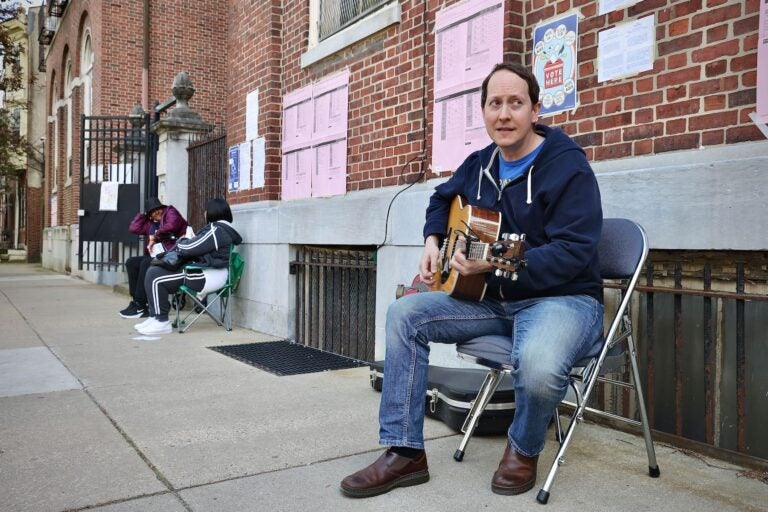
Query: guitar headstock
{"type": "Point", "coordinates": [506, 254]}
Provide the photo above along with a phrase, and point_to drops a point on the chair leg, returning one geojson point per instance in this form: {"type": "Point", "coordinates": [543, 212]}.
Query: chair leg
{"type": "Point", "coordinates": [565, 440]}
{"type": "Point", "coordinates": [226, 312]}
{"type": "Point", "coordinates": [653, 467]}
{"type": "Point", "coordinates": [491, 382]}
{"type": "Point", "coordinates": [205, 309]}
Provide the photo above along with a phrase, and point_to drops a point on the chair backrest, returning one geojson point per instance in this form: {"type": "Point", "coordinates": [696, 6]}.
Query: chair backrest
{"type": "Point", "coordinates": [622, 249]}
{"type": "Point", "coordinates": [236, 267]}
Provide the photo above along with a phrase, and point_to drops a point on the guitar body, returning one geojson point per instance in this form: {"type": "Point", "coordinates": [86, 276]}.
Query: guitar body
{"type": "Point", "coordinates": [464, 220]}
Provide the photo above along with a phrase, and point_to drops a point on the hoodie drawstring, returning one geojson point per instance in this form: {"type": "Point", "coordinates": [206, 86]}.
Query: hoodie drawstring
{"type": "Point", "coordinates": [530, 184]}
{"type": "Point", "coordinates": [487, 172]}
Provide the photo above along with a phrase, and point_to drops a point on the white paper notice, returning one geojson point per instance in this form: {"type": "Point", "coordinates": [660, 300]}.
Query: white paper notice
{"type": "Point", "coordinates": [108, 198]}
{"type": "Point", "coordinates": [259, 159]}
{"type": "Point", "coordinates": [245, 165]}
{"type": "Point", "coordinates": [607, 6]}
{"type": "Point", "coordinates": [252, 115]}
{"type": "Point", "coordinates": [626, 49]}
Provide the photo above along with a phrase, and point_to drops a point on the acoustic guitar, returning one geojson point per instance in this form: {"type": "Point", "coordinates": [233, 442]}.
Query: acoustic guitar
{"type": "Point", "coordinates": [477, 229]}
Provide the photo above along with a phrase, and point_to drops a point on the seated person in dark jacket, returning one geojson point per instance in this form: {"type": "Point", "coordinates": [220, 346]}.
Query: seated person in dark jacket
{"type": "Point", "coordinates": [209, 248]}
{"type": "Point", "coordinates": [543, 186]}
{"type": "Point", "coordinates": [161, 225]}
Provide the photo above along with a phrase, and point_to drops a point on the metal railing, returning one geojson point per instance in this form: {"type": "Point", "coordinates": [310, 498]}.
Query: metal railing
{"type": "Point", "coordinates": [701, 322]}
{"type": "Point", "coordinates": [336, 300]}
{"type": "Point", "coordinates": [207, 174]}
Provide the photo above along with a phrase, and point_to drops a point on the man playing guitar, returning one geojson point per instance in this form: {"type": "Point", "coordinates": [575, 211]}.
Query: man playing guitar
{"type": "Point", "coordinates": [542, 185]}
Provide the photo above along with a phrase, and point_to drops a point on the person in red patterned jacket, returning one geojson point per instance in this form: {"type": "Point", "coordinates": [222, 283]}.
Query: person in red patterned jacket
{"type": "Point", "coordinates": [161, 225]}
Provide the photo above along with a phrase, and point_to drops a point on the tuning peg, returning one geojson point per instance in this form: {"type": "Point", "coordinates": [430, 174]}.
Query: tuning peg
{"type": "Point", "coordinates": [498, 272]}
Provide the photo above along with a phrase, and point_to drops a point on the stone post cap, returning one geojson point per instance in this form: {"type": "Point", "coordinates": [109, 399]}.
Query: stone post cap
{"type": "Point", "coordinates": [183, 90]}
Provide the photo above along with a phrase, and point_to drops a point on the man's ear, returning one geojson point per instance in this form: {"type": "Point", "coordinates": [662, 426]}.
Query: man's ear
{"type": "Point", "coordinates": [535, 111]}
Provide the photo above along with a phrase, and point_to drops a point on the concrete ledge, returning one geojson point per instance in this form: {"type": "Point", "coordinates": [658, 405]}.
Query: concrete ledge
{"type": "Point", "coordinates": [706, 199]}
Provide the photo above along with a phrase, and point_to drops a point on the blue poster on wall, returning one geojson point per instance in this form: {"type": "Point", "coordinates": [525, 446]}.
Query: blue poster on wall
{"type": "Point", "coordinates": [555, 43]}
{"type": "Point", "coordinates": [234, 168]}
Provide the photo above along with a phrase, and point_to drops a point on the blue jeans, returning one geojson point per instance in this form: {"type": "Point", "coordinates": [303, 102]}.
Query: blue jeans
{"type": "Point", "coordinates": [547, 335]}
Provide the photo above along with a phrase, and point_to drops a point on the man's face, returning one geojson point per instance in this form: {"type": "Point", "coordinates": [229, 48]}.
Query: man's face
{"type": "Point", "coordinates": [509, 114]}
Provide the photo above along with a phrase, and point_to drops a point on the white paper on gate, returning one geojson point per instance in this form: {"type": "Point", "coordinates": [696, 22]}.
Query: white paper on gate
{"type": "Point", "coordinates": [108, 197]}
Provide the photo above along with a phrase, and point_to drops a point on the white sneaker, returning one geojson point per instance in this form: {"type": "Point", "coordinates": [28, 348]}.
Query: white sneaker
{"type": "Point", "coordinates": [145, 323]}
{"type": "Point", "coordinates": [156, 327]}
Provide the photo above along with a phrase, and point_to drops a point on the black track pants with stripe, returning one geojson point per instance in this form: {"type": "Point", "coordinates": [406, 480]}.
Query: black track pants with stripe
{"type": "Point", "coordinates": [161, 283]}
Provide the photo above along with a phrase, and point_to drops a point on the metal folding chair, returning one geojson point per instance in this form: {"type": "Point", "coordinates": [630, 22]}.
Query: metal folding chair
{"type": "Point", "coordinates": [623, 249]}
{"type": "Point", "coordinates": [204, 302]}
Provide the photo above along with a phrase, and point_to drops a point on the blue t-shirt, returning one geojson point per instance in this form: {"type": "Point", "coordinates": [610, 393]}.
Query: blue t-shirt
{"type": "Point", "coordinates": [509, 171]}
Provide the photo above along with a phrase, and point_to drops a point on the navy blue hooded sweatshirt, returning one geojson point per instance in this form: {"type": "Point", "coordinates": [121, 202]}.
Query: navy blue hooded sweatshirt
{"type": "Point", "coordinates": [556, 204]}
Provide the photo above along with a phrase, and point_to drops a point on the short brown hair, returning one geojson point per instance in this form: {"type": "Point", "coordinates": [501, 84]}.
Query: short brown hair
{"type": "Point", "coordinates": [518, 69]}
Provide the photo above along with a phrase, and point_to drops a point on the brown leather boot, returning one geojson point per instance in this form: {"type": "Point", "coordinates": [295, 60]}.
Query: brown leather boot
{"type": "Point", "coordinates": [516, 473]}
{"type": "Point", "coordinates": [389, 471]}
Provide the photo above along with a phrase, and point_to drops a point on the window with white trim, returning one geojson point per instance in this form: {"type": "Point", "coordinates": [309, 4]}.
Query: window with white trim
{"type": "Point", "coordinates": [337, 24]}
{"type": "Point", "coordinates": [87, 74]}
{"type": "Point", "coordinates": [55, 116]}
{"type": "Point", "coordinates": [68, 93]}
{"type": "Point", "coordinates": [86, 77]}
{"type": "Point", "coordinates": [336, 15]}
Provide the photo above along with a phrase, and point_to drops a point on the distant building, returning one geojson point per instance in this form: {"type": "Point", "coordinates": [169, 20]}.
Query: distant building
{"type": "Point", "coordinates": [20, 202]}
{"type": "Point", "coordinates": [104, 58]}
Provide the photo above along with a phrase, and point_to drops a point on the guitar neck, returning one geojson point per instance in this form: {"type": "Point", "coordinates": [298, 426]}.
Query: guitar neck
{"type": "Point", "coordinates": [477, 251]}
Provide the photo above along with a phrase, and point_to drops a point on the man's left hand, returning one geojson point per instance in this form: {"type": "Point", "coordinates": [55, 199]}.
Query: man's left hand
{"type": "Point", "coordinates": [464, 266]}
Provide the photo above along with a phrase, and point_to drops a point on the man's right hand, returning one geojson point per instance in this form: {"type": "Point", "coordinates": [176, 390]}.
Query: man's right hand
{"type": "Point", "coordinates": [428, 263]}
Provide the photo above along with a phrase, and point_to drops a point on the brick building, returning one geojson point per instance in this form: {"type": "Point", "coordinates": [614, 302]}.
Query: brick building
{"type": "Point", "coordinates": [21, 202]}
{"type": "Point", "coordinates": [102, 59]}
{"type": "Point", "coordinates": [685, 118]}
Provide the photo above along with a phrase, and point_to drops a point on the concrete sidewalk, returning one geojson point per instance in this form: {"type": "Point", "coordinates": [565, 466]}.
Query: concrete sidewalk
{"type": "Point", "coordinates": [93, 419]}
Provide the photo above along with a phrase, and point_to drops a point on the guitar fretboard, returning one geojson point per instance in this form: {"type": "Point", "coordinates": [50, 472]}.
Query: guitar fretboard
{"type": "Point", "coordinates": [476, 251]}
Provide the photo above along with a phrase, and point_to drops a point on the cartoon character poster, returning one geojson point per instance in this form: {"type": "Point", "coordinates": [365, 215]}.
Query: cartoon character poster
{"type": "Point", "coordinates": [555, 43]}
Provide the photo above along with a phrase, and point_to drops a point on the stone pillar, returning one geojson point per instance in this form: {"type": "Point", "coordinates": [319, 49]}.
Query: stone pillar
{"type": "Point", "coordinates": [175, 132]}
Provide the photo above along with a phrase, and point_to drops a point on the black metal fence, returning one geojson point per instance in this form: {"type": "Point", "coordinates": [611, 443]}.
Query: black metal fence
{"type": "Point", "coordinates": [116, 156]}
{"type": "Point", "coordinates": [336, 300]}
{"type": "Point", "coordinates": [207, 174]}
{"type": "Point", "coordinates": [702, 336]}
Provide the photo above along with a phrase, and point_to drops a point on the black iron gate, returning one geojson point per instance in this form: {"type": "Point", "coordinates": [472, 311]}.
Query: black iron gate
{"type": "Point", "coordinates": [336, 300]}
{"type": "Point", "coordinates": [116, 165]}
{"type": "Point", "coordinates": [207, 174]}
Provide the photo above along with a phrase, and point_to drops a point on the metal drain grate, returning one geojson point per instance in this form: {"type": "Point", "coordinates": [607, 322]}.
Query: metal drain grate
{"type": "Point", "coordinates": [287, 358]}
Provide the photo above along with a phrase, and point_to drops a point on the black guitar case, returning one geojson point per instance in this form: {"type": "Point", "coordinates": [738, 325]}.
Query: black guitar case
{"type": "Point", "coordinates": [450, 392]}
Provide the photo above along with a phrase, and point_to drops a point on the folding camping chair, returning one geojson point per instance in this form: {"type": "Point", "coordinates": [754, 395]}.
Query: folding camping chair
{"type": "Point", "coordinates": [623, 249]}
{"type": "Point", "coordinates": [205, 300]}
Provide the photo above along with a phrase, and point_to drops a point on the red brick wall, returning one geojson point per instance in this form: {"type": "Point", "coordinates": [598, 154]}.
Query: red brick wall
{"type": "Point", "coordinates": [254, 62]}
{"type": "Point", "coordinates": [34, 228]}
{"type": "Point", "coordinates": [699, 93]}
{"type": "Point", "coordinates": [184, 36]}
